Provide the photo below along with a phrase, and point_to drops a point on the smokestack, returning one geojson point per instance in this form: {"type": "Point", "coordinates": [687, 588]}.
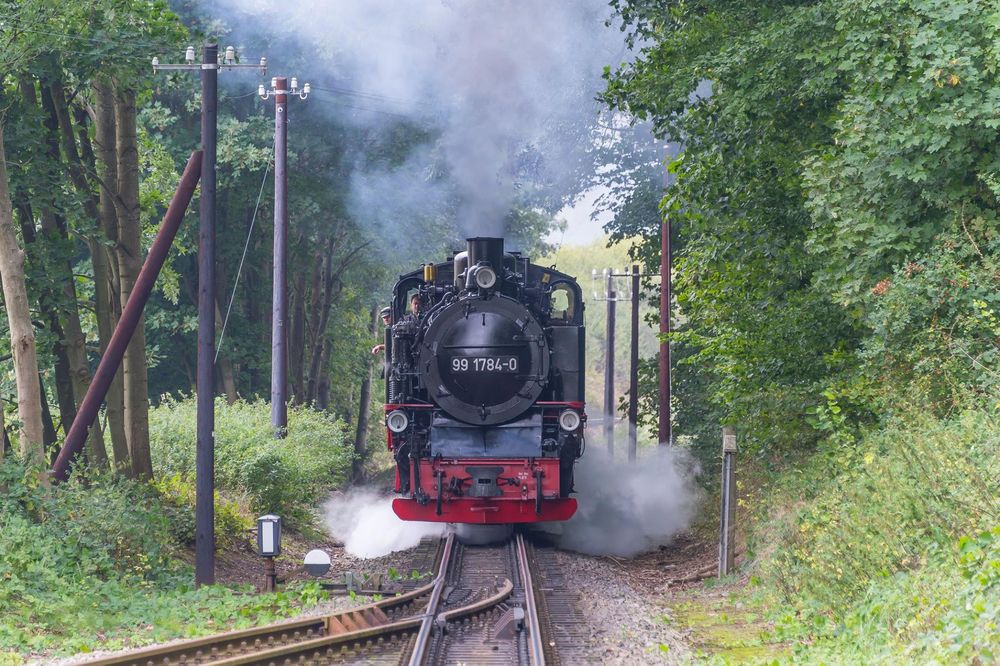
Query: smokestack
{"type": "Point", "coordinates": [483, 248]}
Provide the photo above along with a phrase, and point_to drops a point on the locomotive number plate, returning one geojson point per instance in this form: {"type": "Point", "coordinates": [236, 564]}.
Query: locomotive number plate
{"type": "Point", "coordinates": [484, 364]}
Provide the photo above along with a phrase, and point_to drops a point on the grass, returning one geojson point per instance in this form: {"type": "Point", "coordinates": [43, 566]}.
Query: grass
{"type": "Point", "coordinates": [99, 562]}
{"type": "Point", "coordinates": [884, 549]}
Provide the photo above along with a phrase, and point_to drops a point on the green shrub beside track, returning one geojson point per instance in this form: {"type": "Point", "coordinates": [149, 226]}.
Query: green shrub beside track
{"type": "Point", "coordinates": [891, 552]}
{"type": "Point", "coordinates": [92, 563]}
{"type": "Point", "coordinates": [98, 562]}
{"type": "Point", "coordinates": [286, 476]}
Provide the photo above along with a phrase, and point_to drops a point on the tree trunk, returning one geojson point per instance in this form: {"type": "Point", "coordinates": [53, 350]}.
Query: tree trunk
{"type": "Point", "coordinates": [107, 288]}
{"type": "Point", "coordinates": [364, 411]}
{"type": "Point", "coordinates": [75, 340]}
{"type": "Point", "coordinates": [323, 317]}
{"type": "Point", "coordinates": [48, 427]}
{"type": "Point", "coordinates": [129, 265]}
{"type": "Point", "coordinates": [49, 255]}
{"type": "Point", "coordinates": [312, 335]}
{"type": "Point", "coordinates": [297, 338]}
{"type": "Point", "coordinates": [22, 335]}
{"type": "Point", "coordinates": [3, 430]}
{"type": "Point", "coordinates": [225, 364]}
{"type": "Point", "coordinates": [323, 386]}
{"type": "Point", "coordinates": [64, 381]}
{"type": "Point", "coordinates": [253, 313]}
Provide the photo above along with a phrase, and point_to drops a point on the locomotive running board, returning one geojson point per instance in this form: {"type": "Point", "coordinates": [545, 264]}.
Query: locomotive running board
{"type": "Point", "coordinates": [485, 512]}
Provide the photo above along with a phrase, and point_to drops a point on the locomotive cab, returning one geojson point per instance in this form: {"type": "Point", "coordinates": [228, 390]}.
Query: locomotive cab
{"type": "Point", "coordinates": [484, 390]}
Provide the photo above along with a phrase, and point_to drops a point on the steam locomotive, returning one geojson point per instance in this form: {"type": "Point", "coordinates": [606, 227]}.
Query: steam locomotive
{"type": "Point", "coordinates": [485, 389]}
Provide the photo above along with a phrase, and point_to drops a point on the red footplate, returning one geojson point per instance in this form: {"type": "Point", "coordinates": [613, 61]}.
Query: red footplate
{"type": "Point", "coordinates": [485, 512]}
{"type": "Point", "coordinates": [453, 491]}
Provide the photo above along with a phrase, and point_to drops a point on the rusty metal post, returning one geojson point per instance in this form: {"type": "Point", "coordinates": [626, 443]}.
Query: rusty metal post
{"type": "Point", "coordinates": [609, 364]}
{"type": "Point", "coordinates": [131, 314]}
{"type": "Point", "coordinates": [633, 371]}
{"type": "Point", "coordinates": [279, 300]}
{"type": "Point", "coordinates": [727, 528]}
{"type": "Point", "coordinates": [204, 567]}
{"type": "Point", "coordinates": [663, 430]}
{"type": "Point", "coordinates": [270, 576]}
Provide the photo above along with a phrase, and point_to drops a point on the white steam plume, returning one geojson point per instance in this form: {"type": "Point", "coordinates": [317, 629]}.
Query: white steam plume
{"type": "Point", "coordinates": [624, 508]}
{"type": "Point", "coordinates": [509, 86]}
{"type": "Point", "coordinates": [363, 520]}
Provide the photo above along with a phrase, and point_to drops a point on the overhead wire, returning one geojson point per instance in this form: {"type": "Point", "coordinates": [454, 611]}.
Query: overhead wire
{"type": "Point", "coordinates": [228, 97]}
{"type": "Point", "coordinates": [30, 28]}
{"type": "Point", "coordinates": [373, 96]}
{"type": "Point", "coordinates": [355, 106]}
{"type": "Point", "coordinates": [239, 269]}
{"type": "Point", "coordinates": [340, 90]}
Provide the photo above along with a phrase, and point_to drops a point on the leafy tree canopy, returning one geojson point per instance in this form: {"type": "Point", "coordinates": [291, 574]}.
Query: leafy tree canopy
{"type": "Point", "coordinates": [826, 145]}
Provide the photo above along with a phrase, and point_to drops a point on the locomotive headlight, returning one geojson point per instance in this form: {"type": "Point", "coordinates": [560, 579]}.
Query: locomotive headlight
{"type": "Point", "coordinates": [397, 421]}
{"type": "Point", "coordinates": [485, 277]}
{"type": "Point", "coordinates": [569, 420]}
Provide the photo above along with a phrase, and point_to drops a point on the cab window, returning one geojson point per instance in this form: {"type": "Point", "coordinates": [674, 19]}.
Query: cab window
{"type": "Point", "coordinates": [563, 303]}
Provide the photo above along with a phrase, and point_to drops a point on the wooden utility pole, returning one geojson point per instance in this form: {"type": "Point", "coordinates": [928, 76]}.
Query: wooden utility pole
{"type": "Point", "coordinates": [204, 539]}
{"type": "Point", "coordinates": [204, 567]}
{"type": "Point", "coordinates": [663, 430]}
{"type": "Point", "coordinates": [610, 297]}
{"type": "Point", "coordinates": [633, 371]}
{"type": "Point", "coordinates": [609, 363]}
{"type": "Point", "coordinates": [279, 300]}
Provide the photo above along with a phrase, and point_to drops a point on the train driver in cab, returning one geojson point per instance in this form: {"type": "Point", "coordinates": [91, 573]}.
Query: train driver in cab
{"type": "Point", "coordinates": [386, 320]}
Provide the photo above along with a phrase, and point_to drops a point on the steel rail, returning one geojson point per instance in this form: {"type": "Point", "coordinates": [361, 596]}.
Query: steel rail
{"type": "Point", "coordinates": [532, 626]}
{"type": "Point", "coordinates": [315, 650]}
{"type": "Point", "coordinates": [211, 649]}
{"type": "Point", "coordinates": [424, 635]}
{"type": "Point", "coordinates": [354, 632]}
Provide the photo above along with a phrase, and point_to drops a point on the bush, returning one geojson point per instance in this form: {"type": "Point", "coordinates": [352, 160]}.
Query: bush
{"type": "Point", "coordinates": [232, 518]}
{"type": "Point", "coordinates": [935, 324]}
{"type": "Point", "coordinates": [285, 476]}
{"type": "Point", "coordinates": [885, 500]}
{"type": "Point", "coordinates": [62, 547]}
{"type": "Point", "coordinates": [893, 551]}
{"type": "Point", "coordinates": [90, 564]}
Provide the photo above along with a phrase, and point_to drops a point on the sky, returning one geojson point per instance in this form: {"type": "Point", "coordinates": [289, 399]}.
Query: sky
{"type": "Point", "coordinates": [583, 227]}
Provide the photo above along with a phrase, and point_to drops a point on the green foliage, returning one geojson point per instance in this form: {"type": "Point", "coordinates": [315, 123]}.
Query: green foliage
{"type": "Point", "coordinates": [91, 564]}
{"type": "Point", "coordinates": [893, 551]}
{"type": "Point", "coordinates": [285, 476]}
{"type": "Point", "coordinates": [232, 517]}
{"type": "Point", "coordinates": [64, 547]}
{"type": "Point", "coordinates": [834, 203]}
{"type": "Point", "coordinates": [914, 138]}
{"type": "Point", "coordinates": [764, 339]}
{"type": "Point", "coordinates": [935, 325]}
{"type": "Point", "coordinates": [947, 610]}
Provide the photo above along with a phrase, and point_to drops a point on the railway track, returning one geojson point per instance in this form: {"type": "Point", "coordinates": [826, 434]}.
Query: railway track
{"type": "Point", "coordinates": [481, 608]}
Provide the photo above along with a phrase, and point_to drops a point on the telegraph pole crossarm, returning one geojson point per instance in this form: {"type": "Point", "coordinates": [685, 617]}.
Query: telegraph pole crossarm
{"type": "Point", "coordinates": [227, 62]}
